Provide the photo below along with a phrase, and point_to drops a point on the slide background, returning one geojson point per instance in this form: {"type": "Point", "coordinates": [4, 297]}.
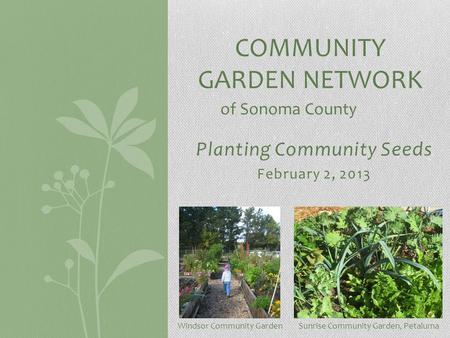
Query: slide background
{"type": "Point", "coordinates": [202, 36]}
{"type": "Point", "coordinates": [53, 53]}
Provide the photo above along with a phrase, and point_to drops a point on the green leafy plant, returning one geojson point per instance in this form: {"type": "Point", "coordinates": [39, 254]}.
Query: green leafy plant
{"type": "Point", "coordinates": [200, 275]}
{"type": "Point", "coordinates": [272, 266]}
{"type": "Point", "coordinates": [122, 135]}
{"type": "Point", "coordinates": [189, 262]}
{"type": "Point", "coordinates": [253, 274]}
{"type": "Point", "coordinates": [261, 274]}
{"type": "Point", "coordinates": [346, 267]}
{"type": "Point", "coordinates": [215, 252]}
{"type": "Point", "coordinates": [261, 302]}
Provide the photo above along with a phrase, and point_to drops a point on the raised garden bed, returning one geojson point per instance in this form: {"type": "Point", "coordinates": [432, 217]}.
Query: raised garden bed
{"type": "Point", "coordinates": [262, 281]}
{"type": "Point", "coordinates": [250, 298]}
{"type": "Point", "coordinates": [192, 307]}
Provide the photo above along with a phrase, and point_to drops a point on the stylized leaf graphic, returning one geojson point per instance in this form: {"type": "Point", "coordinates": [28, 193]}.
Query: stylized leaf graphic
{"type": "Point", "coordinates": [125, 105]}
{"type": "Point", "coordinates": [133, 260]}
{"type": "Point", "coordinates": [140, 135]}
{"type": "Point", "coordinates": [79, 127]}
{"type": "Point", "coordinates": [128, 126]}
{"type": "Point", "coordinates": [136, 157]}
{"type": "Point", "coordinates": [93, 115]}
{"type": "Point", "coordinates": [82, 248]}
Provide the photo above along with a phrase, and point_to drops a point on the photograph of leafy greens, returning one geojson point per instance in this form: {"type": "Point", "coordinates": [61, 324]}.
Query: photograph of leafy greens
{"type": "Point", "coordinates": [368, 262]}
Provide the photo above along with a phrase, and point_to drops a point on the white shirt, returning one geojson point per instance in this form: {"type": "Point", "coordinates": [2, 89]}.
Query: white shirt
{"type": "Point", "coordinates": [226, 276]}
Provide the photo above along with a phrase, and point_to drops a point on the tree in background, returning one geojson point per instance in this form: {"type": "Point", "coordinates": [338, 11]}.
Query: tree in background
{"type": "Point", "coordinates": [192, 223]}
{"type": "Point", "coordinates": [229, 218]}
{"type": "Point", "coordinates": [247, 226]}
{"type": "Point", "coordinates": [272, 229]}
{"type": "Point", "coordinates": [202, 227]}
{"type": "Point", "coordinates": [261, 230]}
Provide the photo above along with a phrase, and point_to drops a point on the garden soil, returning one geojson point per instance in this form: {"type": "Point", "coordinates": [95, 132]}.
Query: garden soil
{"type": "Point", "coordinates": [304, 212]}
{"type": "Point", "coordinates": [217, 305]}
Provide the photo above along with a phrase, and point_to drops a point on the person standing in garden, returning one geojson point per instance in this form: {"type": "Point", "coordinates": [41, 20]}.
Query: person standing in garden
{"type": "Point", "coordinates": [226, 280]}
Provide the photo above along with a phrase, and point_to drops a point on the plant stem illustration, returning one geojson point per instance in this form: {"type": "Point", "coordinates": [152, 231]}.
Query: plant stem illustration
{"type": "Point", "coordinates": [122, 136]}
{"type": "Point", "coordinates": [80, 305]}
{"type": "Point", "coordinates": [97, 246]}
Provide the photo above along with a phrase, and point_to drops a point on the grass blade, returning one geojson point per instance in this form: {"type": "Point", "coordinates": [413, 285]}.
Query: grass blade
{"type": "Point", "coordinates": [342, 262]}
{"type": "Point", "coordinates": [409, 262]}
{"type": "Point", "coordinates": [399, 276]}
{"type": "Point", "coordinates": [388, 254]}
{"type": "Point", "coordinates": [423, 268]}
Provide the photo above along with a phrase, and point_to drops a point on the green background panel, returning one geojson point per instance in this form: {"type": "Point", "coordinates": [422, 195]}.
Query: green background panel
{"type": "Point", "coordinates": [52, 53]}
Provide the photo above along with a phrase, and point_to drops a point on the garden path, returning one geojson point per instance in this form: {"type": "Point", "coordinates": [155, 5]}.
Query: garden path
{"type": "Point", "coordinates": [217, 305]}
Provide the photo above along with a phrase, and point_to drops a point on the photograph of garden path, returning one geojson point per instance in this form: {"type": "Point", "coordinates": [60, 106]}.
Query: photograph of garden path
{"type": "Point", "coordinates": [368, 262]}
{"type": "Point", "coordinates": [229, 262]}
